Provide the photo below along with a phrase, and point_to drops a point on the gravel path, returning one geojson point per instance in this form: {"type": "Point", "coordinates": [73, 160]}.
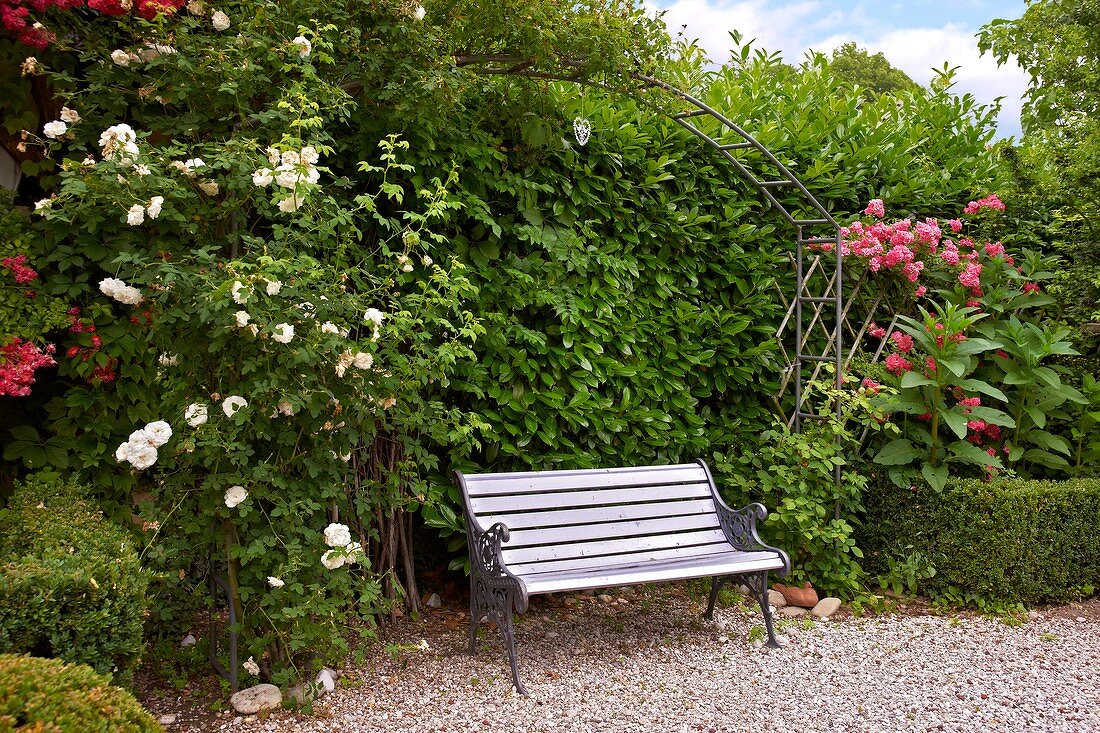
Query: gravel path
{"type": "Point", "coordinates": [650, 664]}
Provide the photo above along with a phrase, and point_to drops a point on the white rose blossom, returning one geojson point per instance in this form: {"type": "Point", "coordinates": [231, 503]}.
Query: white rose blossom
{"type": "Point", "coordinates": [55, 130]}
{"type": "Point", "coordinates": [220, 20]}
{"type": "Point", "coordinates": [195, 414]}
{"type": "Point", "coordinates": [274, 157]}
{"type": "Point", "coordinates": [112, 287]}
{"type": "Point", "coordinates": [251, 667]}
{"type": "Point", "coordinates": [283, 333]}
{"type": "Point", "coordinates": [159, 431]}
{"type": "Point", "coordinates": [287, 175]}
{"type": "Point", "coordinates": [273, 287]}
{"type": "Point", "coordinates": [329, 327]}
{"type": "Point", "coordinates": [29, 66]}
{"type": "Point", "coordinates": [374, 317]}
{"type": "Point", "coordinates": [69, 115]}
{"type": "Point", "coordinates": [262, 178]}
{"type": "Point", "coordinates": [232, 404]}
{"type": "Point", "coordinates": [141, 169]}
{"type": "Point", "coordinates": [304, 46]}
{"type": "Point", "coordinates": [168, 360]}
{"type": "Point", "coordinates": [275, 582]}
{"type": "Point", "coordinates": [363, 360]}
{"type": "Point", "coordinates": [290, 204]}
{"type": "Point", "coordinates": [418, 12]}
{"type": "Point", "coordinates": [234, 495]}
{"type": "Point", "coordinates": [42, 204]}
{"type": "Point", "coordinates": [154, 206]}
{"type": "Point", "coordinates": [142, 455]}
{"type": "Point", "coordinates": [309, 155]}
{"type": "Point", "coordinates": [333, 559]}
{"type": "Point", "coordinates": [242, 318]}
{"type": "Point", "coordinates": [337, 535]}
{"type": "Point", "coordinates": [284, 408]}
{"type": "Point", "coordinates": [240, 292]}
{"type": "Point", "coordinates": [291, 157]}
{"type": "Point", "coordinates": [118, 142]}
{"type": "Point", "coordinates": [136, 215]}
{"type": "Point", "coordinates": [120, 57]}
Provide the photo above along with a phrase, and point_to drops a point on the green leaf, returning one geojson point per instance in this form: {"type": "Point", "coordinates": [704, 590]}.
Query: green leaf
{"type": "Point", "coordinates": [897, 452]}
{"type": "Point", "coordinates": [956, 421]}
{"type": "Point", "coordinates": [970, 453]}
{"type": "Point", "coordinates": [977, 385]}
{"type": "Point", "coordinates": [936, 476]}
{"type": "Point", "coordinates": [914, 379]}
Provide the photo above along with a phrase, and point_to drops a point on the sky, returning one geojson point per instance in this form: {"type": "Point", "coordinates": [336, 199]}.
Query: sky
{"type": "Point", "coordinates": [915, 36]}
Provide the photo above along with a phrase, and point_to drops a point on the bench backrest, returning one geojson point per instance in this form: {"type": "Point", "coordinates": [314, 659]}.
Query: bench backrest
{"type": "Point", "coordinates": [572, 520]}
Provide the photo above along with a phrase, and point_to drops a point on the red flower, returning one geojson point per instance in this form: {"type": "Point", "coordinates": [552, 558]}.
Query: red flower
{"type": "Point", "coordinates": [1031, 288]}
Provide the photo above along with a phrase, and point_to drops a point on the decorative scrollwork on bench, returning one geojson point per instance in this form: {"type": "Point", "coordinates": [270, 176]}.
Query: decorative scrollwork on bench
{"type": "Point", "coordinates": [739, 526]}
{"type": "Point", "coordinates": [485, 547]}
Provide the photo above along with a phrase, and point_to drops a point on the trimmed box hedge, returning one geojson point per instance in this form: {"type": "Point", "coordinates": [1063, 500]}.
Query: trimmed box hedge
{"type": "Point", "coordinates": [49, 696]}
{"type": "Point", "coordinates": [1010, 540]}
{"type": "Point", "coordinates": [71, 582]}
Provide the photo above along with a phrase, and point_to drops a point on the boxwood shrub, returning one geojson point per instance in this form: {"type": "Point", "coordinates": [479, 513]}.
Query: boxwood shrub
{"type": "Point", "coordinates": [1010, 540]}
{"type": "Point", "coordinates": [49, 696]}
{"type": "Point", "coordinates": [71, 581]}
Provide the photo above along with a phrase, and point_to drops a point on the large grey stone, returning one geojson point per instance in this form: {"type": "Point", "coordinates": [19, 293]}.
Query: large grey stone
{"type": "Point", "coordinates": [254, 699]}
{"type": "Point", "coordinates": [775, 598]}
{"type": "Point", "coordinates": [327, 679]}
{"type": "Point", "coordinates": [826, 607]}
{"type": "Point", "coordinates": [434, 601]}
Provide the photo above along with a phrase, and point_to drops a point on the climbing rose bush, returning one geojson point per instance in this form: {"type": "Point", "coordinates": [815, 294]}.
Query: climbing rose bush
{"type": "Point", "coordinates": [258, 322]}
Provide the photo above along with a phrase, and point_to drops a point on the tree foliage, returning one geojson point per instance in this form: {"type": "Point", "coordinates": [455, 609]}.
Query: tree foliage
{"type": "Point", "coordinates": [874, 74]}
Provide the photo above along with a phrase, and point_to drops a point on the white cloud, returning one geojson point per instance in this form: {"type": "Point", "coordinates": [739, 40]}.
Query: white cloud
{"type": "Point", "coordinates": [794, 27]}
{"type": "Point", "coordinates": [917, 51]}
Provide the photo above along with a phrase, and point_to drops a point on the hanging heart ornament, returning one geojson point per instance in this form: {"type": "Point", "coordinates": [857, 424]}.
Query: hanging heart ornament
{"type": "Point", "coordinates": [582, 130]}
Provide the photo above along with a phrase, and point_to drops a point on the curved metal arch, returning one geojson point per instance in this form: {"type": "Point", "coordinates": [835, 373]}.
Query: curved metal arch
{"type": "Point", "coordinates": [784, 179]}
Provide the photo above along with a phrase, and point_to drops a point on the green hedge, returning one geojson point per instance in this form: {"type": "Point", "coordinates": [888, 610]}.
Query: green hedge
{"type": "Point", "coordinates": [1010, 540]}
{"type": "Point", "coordinates": [71, 581]}
{"type": "Point", "coordinates": [49, 696]}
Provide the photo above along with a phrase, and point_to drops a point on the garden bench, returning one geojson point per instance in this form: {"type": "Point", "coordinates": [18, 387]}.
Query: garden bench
{"type": "Point", "coordinates": [551, 531]}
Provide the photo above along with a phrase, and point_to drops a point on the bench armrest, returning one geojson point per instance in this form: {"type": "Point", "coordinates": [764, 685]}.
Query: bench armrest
{"type": "Point", "coordinates": [487, 562]}
{"type": "Point", "coordinates": [739, 526]}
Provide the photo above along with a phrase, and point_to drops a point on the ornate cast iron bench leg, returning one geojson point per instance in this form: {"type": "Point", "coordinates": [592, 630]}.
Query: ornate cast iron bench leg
{"type": "Point", "coordinates": [758, 584]}
{"type": "Point", "coordinates": [716, 584]}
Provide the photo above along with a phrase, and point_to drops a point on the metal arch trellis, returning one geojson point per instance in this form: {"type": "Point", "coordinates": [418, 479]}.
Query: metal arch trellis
{"type": "Point", "coordinates": [816, 227]}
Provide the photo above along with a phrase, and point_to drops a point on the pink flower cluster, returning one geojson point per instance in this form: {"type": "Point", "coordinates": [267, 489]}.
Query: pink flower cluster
{"type": "Point", "coordinates": [19, 360]}
{"type": "Point", "coordinates": [989, 202]}
{"type": "Point", "coordinates": [19, 269]}
{"type": "Point", "coordinates": [903, 341]}
{"type": "Point", "coordinates": [897, 364]}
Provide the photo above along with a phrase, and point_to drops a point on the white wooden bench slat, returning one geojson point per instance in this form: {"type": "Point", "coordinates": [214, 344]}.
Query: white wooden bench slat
{"type": "Point", "coordinates": [560, 536]}
{"type": "Point", "coordinates": [611, 547]}
{"type": "Point", "coordinates": [590, 515]}
{"type": "Point", "coordinates": [720, 564]}
{"type": "Point", "coordinates": [562, 500]}
{"type": "Point", "coordinates": [538, 483]}
{"type": "Point", "coordinates": [595, 563]}
{"type": "Point", "coordinates": [475, 478]}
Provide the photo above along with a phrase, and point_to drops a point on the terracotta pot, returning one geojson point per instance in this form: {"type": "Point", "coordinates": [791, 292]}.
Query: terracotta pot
{"type": "Point", "coordinates": [805, 596]}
